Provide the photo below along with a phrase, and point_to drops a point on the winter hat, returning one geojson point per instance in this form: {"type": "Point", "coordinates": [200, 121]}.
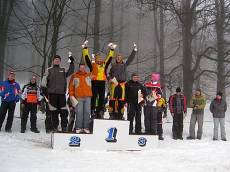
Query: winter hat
{"type": "Point", "coordinates": [11, 73]}
{"type": "Point", "coordinates": [198, 89]}
{"type": "Point", "coordinates": [33, 77]}
{"type": "Point", "coordinates": [219, 93]}
{"type": "Point", "coordinates": [134, 74]}
{"type": "Point", "coordinates": [178, 89]}
{"type": "Point", "coordinates": [97, 56]}
{"type": "Point", "coordinates": [56, 56]}
{"type": "Point", "coordinates": [155, 77]}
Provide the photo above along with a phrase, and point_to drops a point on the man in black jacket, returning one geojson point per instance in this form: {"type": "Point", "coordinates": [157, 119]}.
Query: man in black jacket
{"type": "Point", "coordinates": [31, 97]}
{"type": "Point", "coordinates": [55, 82]}
{"type": "Point", "coordinates": [134, 91]}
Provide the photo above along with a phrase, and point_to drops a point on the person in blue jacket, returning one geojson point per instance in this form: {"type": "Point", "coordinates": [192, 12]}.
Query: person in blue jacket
{"type": "Point", "coordinates": [10, 95]}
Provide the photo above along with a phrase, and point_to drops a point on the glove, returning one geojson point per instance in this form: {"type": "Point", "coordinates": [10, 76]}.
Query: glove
{"type": "Point", "coordinates": [172, 114]}
{"type": "Point", "coordinates": [93, 58]}
{"type": "Point", "coordinates": [134, 46]}
{"type": "Point", "coordinates": [112, 46]}
{"type": "Point", "coordinates": [185, 114]}
{"type": "Point", "coordinates": [85, 44]}
{"type": "Point", "coordinates": [71, 59]}
{"type": "Point", "coordinates": [39, 103]}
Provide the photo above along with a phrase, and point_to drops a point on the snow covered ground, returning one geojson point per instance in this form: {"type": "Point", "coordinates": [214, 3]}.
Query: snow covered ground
{"type": "Point", "coordinates": [32, 152]}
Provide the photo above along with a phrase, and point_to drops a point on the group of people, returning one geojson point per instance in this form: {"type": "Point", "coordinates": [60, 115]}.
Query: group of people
{"type": "Point", "coordinates": [86, 98]}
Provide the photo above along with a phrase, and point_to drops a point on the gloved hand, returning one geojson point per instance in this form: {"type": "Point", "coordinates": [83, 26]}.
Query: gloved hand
{"type": "Point", "coordinates": [23, 101]}
{"type": "Point", "coordinates": [112, 46]}
{"type": "Point", "coordinates": [134, 46]}
{"type": "Point", "coordinates": [185, 114]}
{"type": "Point", "coordinates": [85, 44]}
{"type": "Point", "coordinates": [39, 103]}
{"type": "Point", "coordinates": [71, 59]}
{"type": "Point", "coordinates": [93, 58]}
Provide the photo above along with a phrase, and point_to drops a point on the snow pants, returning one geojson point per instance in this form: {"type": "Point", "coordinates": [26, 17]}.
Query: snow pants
{"type": "Point", "coordinates": [10, 107]}
{"type": "Point", "coordinates": [29, 108]}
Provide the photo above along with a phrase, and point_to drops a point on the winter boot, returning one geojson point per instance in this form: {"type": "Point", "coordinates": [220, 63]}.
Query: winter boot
{"type": "Point", "coordinates": [35, 130]}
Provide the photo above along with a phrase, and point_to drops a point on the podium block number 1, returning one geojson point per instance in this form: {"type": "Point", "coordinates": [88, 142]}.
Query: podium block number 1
{"type": "Point", "coordinates": [112, 133]}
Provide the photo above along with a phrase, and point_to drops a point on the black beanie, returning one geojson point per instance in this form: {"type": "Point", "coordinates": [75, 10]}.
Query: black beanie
{"type": "Point", "coordinates": [178, 89]}
{"type": "Point", "coordinates": [219, 93]}
{"type": "Point", "coordinates": [56, 56]}
{"type": "Point", "coordinates": [134, 74]}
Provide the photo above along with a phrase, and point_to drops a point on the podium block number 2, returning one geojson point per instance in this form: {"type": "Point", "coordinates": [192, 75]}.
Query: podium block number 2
{"type": "Point", "coordinates": [112, 133]}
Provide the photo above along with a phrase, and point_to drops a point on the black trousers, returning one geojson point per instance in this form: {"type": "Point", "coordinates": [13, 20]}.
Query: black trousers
{"type": "Point", "coordinates": [98, 89]}
{"type": "Point", "coordinates": [134, 111]}
{"type": "Point", "coordinates": [150, 114]}
{"type": "Point", "coordinates": [10, 107]}
{"type": "Point", "coordinates": [159, 124]}
{"type": "Point", "coordinates": [177, 128]}
{"type": "Point", "coordinates": [29, 108]}
{"type": "Point", "coordinates": [57, 105]}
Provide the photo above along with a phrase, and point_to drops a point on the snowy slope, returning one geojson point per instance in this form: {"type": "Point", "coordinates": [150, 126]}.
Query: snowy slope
{"type": "Point", "coordinates": [32, 152]}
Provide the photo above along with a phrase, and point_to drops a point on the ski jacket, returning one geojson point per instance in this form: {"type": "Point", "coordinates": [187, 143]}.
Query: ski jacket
{"type": "Point", "coordinates": [198, 103]}
{"type": "Point", "coordinates": [118, 70]}
{"type": "Point", "coordinates": [55, 79]}
{"type": "Point", "coordinates": [80, 85]}
{"type": "Point", "coordinates": [131, 91]}
{"type": "Point", "coordinates": [10, 91]}
{"type": "Point", "coordinates": [99, 71]}
{"type": "Point", "coordinates": [177, 104]}
{"type": "Point", "coordinates": [31, 93]}
{"type": "Point", "coordinates": [218, 108]}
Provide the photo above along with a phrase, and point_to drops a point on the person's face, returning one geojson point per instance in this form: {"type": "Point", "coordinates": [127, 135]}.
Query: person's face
{"type": "Point", "coordinates": [119, 59]}
{"type": "Point", "coordinates": [82, 68]}
{"type": "Point", "coordinates": [197, 93]}
{"type": "Point", "coordinates": [218, 97]}
{"type": "Point", "coordinates": [11, 77]}
{"type": "Point", "coordinates": [135, 78]}
{"type": "Point", "coordinates": [99, 60]}
{"type": "Point", "coordinates": [33, 80]}
{"type": "Point", "coordinates": [178, 93]}
{"type": "Point", "coordinates": [56, 61]}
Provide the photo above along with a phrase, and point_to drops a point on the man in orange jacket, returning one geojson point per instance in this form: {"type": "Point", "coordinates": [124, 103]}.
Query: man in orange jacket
{"type": "Point", "coordinates": [80, 96]}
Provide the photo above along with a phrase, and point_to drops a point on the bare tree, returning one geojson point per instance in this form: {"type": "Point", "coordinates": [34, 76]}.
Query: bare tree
{"type": "Point", "coordinates": [6, 7]}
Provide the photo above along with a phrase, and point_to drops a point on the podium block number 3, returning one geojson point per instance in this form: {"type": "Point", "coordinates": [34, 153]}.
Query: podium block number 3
{"type": "Point", "coordinates": [112, 133]}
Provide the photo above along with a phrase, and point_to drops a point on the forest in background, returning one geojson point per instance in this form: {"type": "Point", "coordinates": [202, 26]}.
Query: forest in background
{"type": "Point", "coordinates": [186, 41]}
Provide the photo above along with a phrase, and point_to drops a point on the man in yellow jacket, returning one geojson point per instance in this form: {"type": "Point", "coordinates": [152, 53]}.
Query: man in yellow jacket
{"type": "Point", "coordinates": [98, 67]}
{"type": "Point", "coordinates": [80, 96]}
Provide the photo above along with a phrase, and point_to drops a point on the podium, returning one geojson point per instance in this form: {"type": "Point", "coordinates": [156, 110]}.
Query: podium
{"type": "Point", "coordinates": [110, 135]}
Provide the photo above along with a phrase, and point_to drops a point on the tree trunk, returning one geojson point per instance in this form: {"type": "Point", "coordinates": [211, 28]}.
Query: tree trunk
{"type": "Point", "coordinates": [5, 13]}
{"type": "Point", "coordinates": [161, 48]}
{"type": "Point", "coordinates": [220, 18]}
{"type": "Point", "coordinates": [188, 75]}
{"type": "Point", "coordinates": [97, 26]}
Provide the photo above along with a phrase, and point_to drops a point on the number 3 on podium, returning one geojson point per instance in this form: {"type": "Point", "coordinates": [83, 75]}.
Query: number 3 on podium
{"type": "Point", "coordinates": [112, 135]}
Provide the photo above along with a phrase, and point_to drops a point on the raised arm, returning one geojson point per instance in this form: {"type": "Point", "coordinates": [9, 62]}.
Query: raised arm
{"type": "Point", "coordinates": [70, 70]}
{"type": "Point", "coordinates": [85, 54]}
{"type": "Point", "coordinates": [132, 55]}
{"type": "Point", "coordinates": [109, 57]}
